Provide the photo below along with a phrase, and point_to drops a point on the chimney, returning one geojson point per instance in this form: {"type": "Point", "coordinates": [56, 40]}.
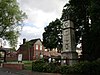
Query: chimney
{"type": "Point", "coordinates": [24, 40]}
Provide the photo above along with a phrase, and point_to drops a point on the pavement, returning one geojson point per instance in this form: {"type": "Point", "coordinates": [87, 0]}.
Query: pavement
{"type": "Point", "coordinates": [6, 71]}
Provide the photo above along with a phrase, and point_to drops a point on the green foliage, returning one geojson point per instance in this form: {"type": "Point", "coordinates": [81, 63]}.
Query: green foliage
{"type": "Point", "coordinates": [51, 68]}
{"type": "Point", "coordinates": [64, 69]}
{"type": "Point", "coordinates": [42, 66]}
{"type": "Point", "coordinates": [27, 65]}
{"type": "Point", "coordinates": [38, 66]}
{"type": "Point", "coordinates": [27, 62]}
{"type": "Point", "coordinates": [86, 68]}
{"type": "Point", "coordinates": [77, 10]}
{"type": "Point", "coordinates": [11, 18]}
{"type": "Point", "coordinates": [80, 12]}
{"type": "Point", "coordinates": [12, 49]}
{"type": "Point", "coordinates": [0, 55]}
{"type": "Point", "coordinates": [52, 37]}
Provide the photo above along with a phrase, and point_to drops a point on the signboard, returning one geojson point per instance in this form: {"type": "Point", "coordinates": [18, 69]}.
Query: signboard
{"type": "Point", "coordinates": [19, 57]}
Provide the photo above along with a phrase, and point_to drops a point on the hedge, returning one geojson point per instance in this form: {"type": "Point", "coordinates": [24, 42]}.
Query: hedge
{"type": "Point", "coordinates": [86, 68]}
{"type": "Point", "coordinates": [41, 66]}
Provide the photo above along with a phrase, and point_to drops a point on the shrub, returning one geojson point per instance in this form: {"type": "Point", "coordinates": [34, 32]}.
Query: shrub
{"type": "Point", "coordinates": [86, 68]}
{"type": "Point", "coordinates": [51, 68]}
{"type": "Point", "coordinates": [89, 68]}
{"type": "Point", "coordinates": [41, 66]}
{"type": "Point", "coordinates": [64, 69]}
{"type": "Point", "coordinates": [38, 66]}
{"type": "Point", "coordinates": [27, 67]}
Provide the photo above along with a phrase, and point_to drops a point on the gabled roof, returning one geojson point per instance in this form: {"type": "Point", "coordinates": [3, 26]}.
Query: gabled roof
{"type": "Point", "coordinates": [33, 41]}
{"type": "Point", "coordinates": [30, 43]}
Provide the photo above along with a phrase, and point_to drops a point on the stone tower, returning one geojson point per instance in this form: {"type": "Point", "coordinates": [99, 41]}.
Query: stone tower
{"type": "Point", "coordinates": [69, 49]}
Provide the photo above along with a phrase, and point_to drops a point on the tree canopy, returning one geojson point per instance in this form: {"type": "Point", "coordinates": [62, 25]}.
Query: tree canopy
{"type": "Point", "coordinates": [81, 13]}
{"type": "Point", "coordinates": [52, 37]}
{"type": "Point", "coordinates": [11, 18]}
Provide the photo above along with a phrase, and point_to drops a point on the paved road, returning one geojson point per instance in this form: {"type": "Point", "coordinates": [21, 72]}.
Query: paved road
{"type": "Point", "coordinates": [4, 71]}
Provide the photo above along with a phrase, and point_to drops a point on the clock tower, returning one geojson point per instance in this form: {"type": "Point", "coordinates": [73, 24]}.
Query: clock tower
{"type": "Point", "coordinates": [69, 50]}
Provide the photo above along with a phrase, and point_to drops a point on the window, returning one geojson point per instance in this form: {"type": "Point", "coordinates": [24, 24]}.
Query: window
{"type": "Point", "coordinates": [36, 47]}
{"type": "Point", "coordinates": [40, 47]}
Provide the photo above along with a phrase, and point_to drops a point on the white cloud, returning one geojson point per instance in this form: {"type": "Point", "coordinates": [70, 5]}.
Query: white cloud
{"type": "Point", "coordinates": [29, 32]}
{"type": "Point", "coordinates": [40, 17]}
{"type": "Point", "coordinates": [40, 13]}
{"type": "Point", "coordinates": [45, 5]}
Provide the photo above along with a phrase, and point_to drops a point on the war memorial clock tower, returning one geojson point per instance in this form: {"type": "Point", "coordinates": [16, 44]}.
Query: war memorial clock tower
{"type": "Point", "coordinates": [69, 49]}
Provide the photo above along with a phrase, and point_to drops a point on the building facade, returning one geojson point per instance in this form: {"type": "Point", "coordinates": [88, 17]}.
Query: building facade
{"type": "Point", "coordinates": [31, 50]}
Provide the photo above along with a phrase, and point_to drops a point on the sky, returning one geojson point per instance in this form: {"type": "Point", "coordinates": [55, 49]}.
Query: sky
{"type": "Point", "coordinates": [40, 13]}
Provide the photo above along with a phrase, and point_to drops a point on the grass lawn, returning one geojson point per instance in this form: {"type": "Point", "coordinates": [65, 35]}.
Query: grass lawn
{"type": "Point", "coordinates": [27, 65]}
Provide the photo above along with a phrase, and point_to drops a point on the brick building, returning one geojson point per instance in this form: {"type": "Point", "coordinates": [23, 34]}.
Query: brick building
{"type": "Point", "coordinates": [31, 50]}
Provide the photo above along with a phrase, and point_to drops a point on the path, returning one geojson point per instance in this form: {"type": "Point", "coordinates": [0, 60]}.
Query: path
{"type": "Point", "coordinates": [5, 71]}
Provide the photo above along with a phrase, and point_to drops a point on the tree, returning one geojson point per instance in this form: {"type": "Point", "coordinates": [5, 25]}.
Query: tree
{"type": "Point", "coordinates": [52, 37]}
{"type": "Point", "coordinates": [11, 18]}
{"type": "Point", "coordinates": [76, 9]}
{"type": "Point", "coordinates": [95, 29]}
{"type": "Point", "coordinates": [80, 12]}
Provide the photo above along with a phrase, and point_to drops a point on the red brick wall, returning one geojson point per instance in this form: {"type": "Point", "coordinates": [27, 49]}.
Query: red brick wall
{"type": "Point", "coordinates": [32, 52]}
{"type": "Point", "coordinates": [34, 56]}
{"type": "Point", "coordinates": [25, 54]}
{"type": "Point", "coordinates": [13, 66]}
{"type": "Point", "coordinates": [38, 51]}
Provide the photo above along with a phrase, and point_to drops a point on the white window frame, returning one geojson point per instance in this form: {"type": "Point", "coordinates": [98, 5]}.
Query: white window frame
{"type": "Point", "coordinates": [37, 47]}
{"type": "Point", "coordinates": [40, 47]}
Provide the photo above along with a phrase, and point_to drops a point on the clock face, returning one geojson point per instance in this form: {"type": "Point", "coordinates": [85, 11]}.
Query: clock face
{"type": "Point", "coordinates": [65, 25]}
